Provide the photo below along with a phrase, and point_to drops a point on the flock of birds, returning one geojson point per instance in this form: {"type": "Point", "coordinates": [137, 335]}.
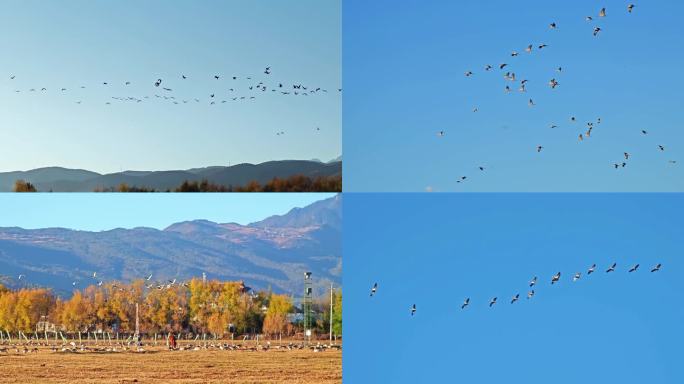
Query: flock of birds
{"type": "Point", "coordinates": [239, 88]}
{"type": "Point", "coordinates": [532, 283]}
{"type": "Point", "coordinates": [511, 78]}
{"type": "Point", "coordinates": [36, 345]}
{"type": "Point", "coordinates": [149, 284]}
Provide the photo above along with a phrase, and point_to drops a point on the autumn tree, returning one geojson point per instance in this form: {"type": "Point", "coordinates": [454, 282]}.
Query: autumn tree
{"type": "Point", "coordinates": [24, 186]}
{"type": "Point", "coordinates": [276, 315]}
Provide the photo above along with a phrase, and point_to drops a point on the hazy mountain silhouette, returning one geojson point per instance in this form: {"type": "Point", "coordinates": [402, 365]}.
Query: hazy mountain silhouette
{"type": "Point", "coordinates": [74, 180]}
{"type": "Point", "coordinates": [274, 252]}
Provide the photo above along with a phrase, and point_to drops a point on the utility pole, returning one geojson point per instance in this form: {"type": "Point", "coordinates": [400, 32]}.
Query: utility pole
{"type": "Point", "coordinates": [331, 310]}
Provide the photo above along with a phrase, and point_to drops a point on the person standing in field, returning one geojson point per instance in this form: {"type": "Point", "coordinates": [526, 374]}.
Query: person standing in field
{"type": "Point", "coordinates": [172, 341]}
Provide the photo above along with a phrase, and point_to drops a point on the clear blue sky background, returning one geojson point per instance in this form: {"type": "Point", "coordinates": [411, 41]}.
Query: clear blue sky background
{"type": "Point", "coordinates": [98, 212]}
{"type": "Point", "coordinates": [404, 65]}
{"type": "Point", "coordinates": [435, 250]}
{"type": "Point", "coordinates": [86, 42]}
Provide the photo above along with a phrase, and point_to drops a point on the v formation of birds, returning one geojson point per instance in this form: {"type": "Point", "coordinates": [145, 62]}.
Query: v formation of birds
{"type": "Point", "coordinates": [532, 283]}
{"type": "Point", "coordinates": [511, 78]}
{"type": "Point", "coordinates": [228, 89]}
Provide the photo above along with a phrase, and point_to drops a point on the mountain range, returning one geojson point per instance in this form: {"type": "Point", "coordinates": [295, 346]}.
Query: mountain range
{"type": "Point", "coordinates": [274, 252]}
{"type": "Point", "coordinates": [57, 179]}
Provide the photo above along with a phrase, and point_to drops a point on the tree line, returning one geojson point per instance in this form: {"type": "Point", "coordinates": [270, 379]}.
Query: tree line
{"type": "Point", "coordinates": [211, 307]}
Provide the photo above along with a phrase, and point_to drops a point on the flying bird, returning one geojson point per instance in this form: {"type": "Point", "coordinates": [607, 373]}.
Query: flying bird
{"type": "Point", "coordinates": [634, 268]}
{"type": "Point", "coordinates": [612, 268]}
{"type": "Point", "coordinates": [596, 31]}
{"type": "Point", "coordinates": [591, 269]}
{"type": "Point", "coordinates": [539, 148]}
{"type": "Point", "coordinates": [533, 281]}
{"type": "Point", "coordinates": [374, 289]}
{"type": "Point", "coordinates": [492, 302]}
{"type": "Point", "coordinates": [656, 268]}
{"type": "Point", "coordinates": [602, 12]}
{"type": "Point", "coordinates": [530, 294]}
{"type": "Point", "coordinates": [661, 147]}
{"type": "Point", "coordinates": [552, 25]}
{"type": "Point", "coordinates": [413, 310]}
{"type": "Point", "coordinates": [577, 276]}
{"type": "Point", "coordinates": [515, 298]}
{"type": "Point", "coordinates": [630, 7]}
{"type": "Point", "coordinates": [465, 303]}
{"type": "Point", "coordinates": [555, 278]}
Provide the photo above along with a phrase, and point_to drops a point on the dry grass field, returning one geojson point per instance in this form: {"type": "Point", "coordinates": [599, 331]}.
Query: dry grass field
{"type": "Point", "coordinates": [159, 365]}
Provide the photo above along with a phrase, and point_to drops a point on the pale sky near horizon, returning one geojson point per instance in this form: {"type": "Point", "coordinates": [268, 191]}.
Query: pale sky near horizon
{"type": "Point", "coordinates": [74, 43]}
{"type": "Point", "coordinates": [105, 211]}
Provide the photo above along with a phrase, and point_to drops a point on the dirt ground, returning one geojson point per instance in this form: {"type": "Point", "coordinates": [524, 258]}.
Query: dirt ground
{"type": "Point", "coordinates": [159, 365]}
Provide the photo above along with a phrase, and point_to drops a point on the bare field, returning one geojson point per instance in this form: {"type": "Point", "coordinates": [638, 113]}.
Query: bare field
{"type": "Point", "coordinates": [159, 365]}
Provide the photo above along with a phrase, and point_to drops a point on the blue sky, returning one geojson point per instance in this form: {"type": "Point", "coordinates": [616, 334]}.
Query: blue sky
{"type": "Point", "coordinates": [435, 250]}
{"type": "Point", "coordinates": [97, 211]}
{"type": "Point", "coordinates": [404, 65]}
{"type": "Point", "coordinates": [84, 42]}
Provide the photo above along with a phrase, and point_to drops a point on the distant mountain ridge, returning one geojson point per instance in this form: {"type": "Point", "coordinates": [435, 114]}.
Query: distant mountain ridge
{"type": "Point", "coordinates": [59, 179]}
{"type": "Point", "coordinates": [274, 252]}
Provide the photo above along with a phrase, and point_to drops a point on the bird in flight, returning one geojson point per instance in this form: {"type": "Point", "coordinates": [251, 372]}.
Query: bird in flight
{"type": "Point", "coordinates": [596, 31]}
{"type": "Point", "coordinates": [612, 268]}
{"type": "Point", "coordinates": [515, 298]}
{"type": "Point", "coordinates": [267, 70]}
{"type": "Point", "coordinates": [492, 302]}
{"type": "Point", "coordinates": [630, 7]}
{"type": "Point", "coordinates": [465, 303]}
{"type": "Point", "coordinates": [530, 294]}
{"type": "Point", "coordinates": [539, 148]}
{"type": "Point", "coordinates": [656, 268]}
{"type": "Point", "coordinates": [555, 278]}
{"type": "Point", "coordinates": [661, 147]}
{"type": "Point", "coordinates": [577, 276]}
{"type": "Point", "coordinates": [413, 310]}
{"type": "Point", "coordinates": [602, 12]}
{"type": "Point", "coordinates": [468, 73]}
{"type": "Point", "coordinates": [374, 289]}
{"type": "Point", "coordinates": [552, 25]}
{"type": "Point", "coordinates": [634, 268]}
{"type": "Point", "coordinates": [591, 269]}
{"type": "Point", "coordinates": [533, 281]}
